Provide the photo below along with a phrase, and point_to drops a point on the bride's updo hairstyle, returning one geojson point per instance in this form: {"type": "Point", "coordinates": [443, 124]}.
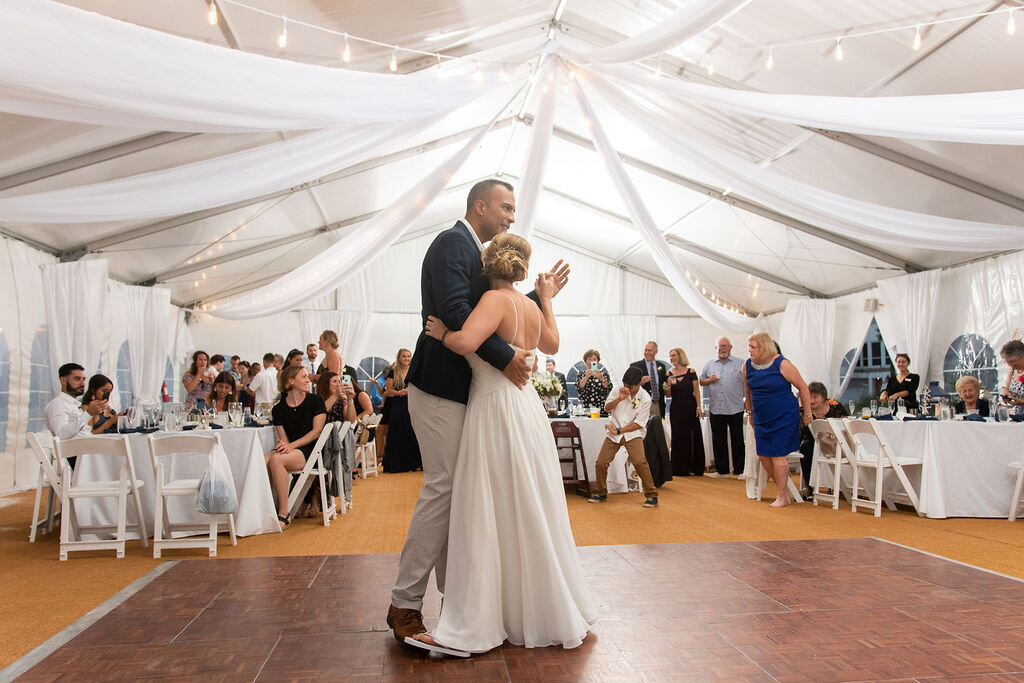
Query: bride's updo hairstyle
{"type": "Point", "coordinates": [507, 257]}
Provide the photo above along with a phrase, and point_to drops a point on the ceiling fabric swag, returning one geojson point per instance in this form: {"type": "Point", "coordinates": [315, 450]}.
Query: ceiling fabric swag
{"type": "Point", "coordinates": [68, 64]}
{"type": "Point", "coordinates": [652, 237]}
{"type": "Point", "coordinates": [693, 18]}
{"type": "Point", "coordinates": [992, 118]}
{"type": "Point", "coordinates": [532, 176]}
{"type": "Point", "coordinates": [865, 221]}
{"type": "Point", "coordinates": [229, 178]}
{"type": "Point", "coordinates": [329, 269]}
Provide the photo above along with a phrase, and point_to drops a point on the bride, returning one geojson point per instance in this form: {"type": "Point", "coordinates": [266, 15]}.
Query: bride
{"type": "Point", "coordinates": [513, 570]}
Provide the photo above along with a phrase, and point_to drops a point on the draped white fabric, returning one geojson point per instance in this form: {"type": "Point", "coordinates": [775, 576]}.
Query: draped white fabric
{"type": "Point", "coordinates": [694, 17]}
{"type": "Point", "coordinates": [995, 118]}
{"type": "Point", "coordinates": [353, 328]}
{"type": "Point", "coordinates": [620, 339]}
{"type": "Point", "coordinates": [213, 182]}
{"type": "Point", "coordinates": [181, 343]}
{"type": "Point", "coordinates": [532, 177]}
{"type": "Point", "coordinates": [908, 317]}
{"type": "Point", "coordinates": [147, 311]}
{"type": "Point", "coordinates": [76, 305]}
{"type": "Point", "coordinates": [808, 328]}
{"type": "Point", "coordinates": [655, 241]}
{"type": "Point", "coordinates": [332, 267]}
{"type": "Point", "coordinates": [59, 60]}
{"type": "Point", "coordinates": [860, 220]}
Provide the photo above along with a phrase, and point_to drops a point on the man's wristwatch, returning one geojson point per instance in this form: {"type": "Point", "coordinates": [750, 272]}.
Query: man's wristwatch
{"type": "Point", "coordinates": [443, 335]}
{"type": "Point", "coordinates": [618, 430]}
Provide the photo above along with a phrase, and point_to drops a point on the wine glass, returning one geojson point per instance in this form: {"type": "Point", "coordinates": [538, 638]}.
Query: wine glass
{"type": "Point", "coordinates": [132, 413]}
{"type": "Point", "coordinates": [853, 407]}
{"type": "Point", "coordinates": [874, 406]}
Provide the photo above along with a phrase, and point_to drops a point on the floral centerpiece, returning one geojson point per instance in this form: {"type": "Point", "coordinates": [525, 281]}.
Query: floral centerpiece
{"type": "Point", "coordinates": [549, 388]}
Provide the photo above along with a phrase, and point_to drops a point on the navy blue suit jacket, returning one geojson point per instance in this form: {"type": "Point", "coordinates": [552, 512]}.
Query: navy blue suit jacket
{"type": "Point", "coordinates": [450, 286]}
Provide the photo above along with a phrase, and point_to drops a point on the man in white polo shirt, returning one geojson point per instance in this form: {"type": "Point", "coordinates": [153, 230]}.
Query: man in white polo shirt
{"type": "Point", "coordinates": [263, 387]}
{"type": "Point", "coordinates": [628, 413]}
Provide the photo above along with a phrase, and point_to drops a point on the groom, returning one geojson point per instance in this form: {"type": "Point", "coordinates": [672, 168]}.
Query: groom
{"type": "Point", "coordinates": [438, 380]}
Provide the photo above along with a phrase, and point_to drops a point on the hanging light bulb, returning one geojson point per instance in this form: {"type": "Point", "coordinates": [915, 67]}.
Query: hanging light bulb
{"type": "Point", "coordinates": [346, 54]}
{"type": "Point", "coordinates": [551, 76]}
{"type": "Point", "coordinates": [477, 73]}
{"type": "Point", "coordinates": [711, 68]}
{"type": "Point", "coordinates": [572, 75]}
{"type": "Point", "coordinates": [839, 49]}
{"type": "Point", "coordinates": [503, 74]}
{"type": "Point", "coordinates": [282, 40]}
{"type": "Point", "coordinates": [657, 71]}
{"type": "Point", "coordinates": [393, 64]}
{"type": "Point", "coordinates": [1011, 25]}
{"type": "Point", "coordinates": [211, 14]}
{"type": "Point", "coordinates": [770, 62]}
{"type": "Point", "coordinates": [917, 37]}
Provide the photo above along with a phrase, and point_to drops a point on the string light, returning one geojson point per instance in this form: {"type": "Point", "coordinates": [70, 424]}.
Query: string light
{"type": "Point", "coordinates": [657, 72]}
{"type": "Point", "coordinates": [477, 73]}
{"type": "Point", "coordinates": [346, 54]}
{"type": "Point", "coordinates": [1011, 25]}
{"type": "Point", "coordinates": [211, 14]}
{"type": "Point", "coordinates": [711, 68]}
{"type": "Point", "coordinates": [504, 74]}
{"type": "Point", "coordinates": [282, 40]}
{"type": "Point", "coordinates": [917, 38]}
{"type": "Point", "coordinates": [839, 49]}
{"type": "Point", "coordinates": [393, 64]}
{"type": "Point", "coordinates": [770, 62]}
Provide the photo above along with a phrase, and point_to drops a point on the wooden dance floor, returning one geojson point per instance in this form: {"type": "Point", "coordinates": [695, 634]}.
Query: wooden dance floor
{"type": "Point", "coordinates": [830, 610]}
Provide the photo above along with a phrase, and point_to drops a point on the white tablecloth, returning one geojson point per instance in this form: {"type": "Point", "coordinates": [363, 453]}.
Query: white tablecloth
{"type": "Point", "coordinates": [592, 434]}
{"type": "Point", "coordinates": [244, 448]}
{"type": "Point", "coordinates": [965, 470]}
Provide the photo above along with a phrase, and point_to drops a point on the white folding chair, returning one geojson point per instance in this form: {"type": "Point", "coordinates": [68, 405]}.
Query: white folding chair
{"type": "Point", "coordinates": [366, 448]}
{"type": "Point", "coordinates": [192, 446]}
{"type": "Point", "coordinates": [1015, 502]}
{"type": "Point", "coordinates": [881, 459]}
{"type": "Point", "coordinates": [126, 485]}
{"type": "Point", "coordinates": [49, 476]}
{"type": "Point", "coordinates": [315, 468]}
{"type": "Point", "coordinates": [831, 452]}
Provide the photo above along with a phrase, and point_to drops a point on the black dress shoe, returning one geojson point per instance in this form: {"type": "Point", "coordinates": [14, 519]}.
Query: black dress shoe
{"type": "Point", "coordinates": [596, 498]}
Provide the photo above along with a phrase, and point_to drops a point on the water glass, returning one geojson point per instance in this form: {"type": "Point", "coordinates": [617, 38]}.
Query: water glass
{"type": "Point", "coordinates": [246, 416]}
{"type": "Point", "coordinates": [874, 406]}
{"type": "Point", "coordinates": [1002, 413]}
{"type": "Point", "coordinates": [865, 412]}
{"type": "Point", "coordinates": [944, 412]}
{"type": "Point", "coordinates": [122, 423]}
{"type": "Point", "coordinates": [853, 408]}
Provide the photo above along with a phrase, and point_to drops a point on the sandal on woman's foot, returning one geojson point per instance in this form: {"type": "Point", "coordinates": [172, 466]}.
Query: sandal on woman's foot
{"type": "Point", "coordinates": [284, 521]}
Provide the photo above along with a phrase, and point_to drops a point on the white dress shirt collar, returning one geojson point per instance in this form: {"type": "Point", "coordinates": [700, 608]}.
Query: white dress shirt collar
{"type": "Point", "coordinates": [472, 232]}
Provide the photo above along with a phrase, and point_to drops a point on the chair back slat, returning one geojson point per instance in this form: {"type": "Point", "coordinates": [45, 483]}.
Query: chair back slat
{"type": "Point", "coordinates": [116, 446]}
{"type": "Point", "coordinates": [182, 443]}
{"type": "Point", "coordinates": [826, 438]}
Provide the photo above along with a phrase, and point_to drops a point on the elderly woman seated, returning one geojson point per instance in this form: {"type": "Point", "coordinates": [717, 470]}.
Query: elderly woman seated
{"type": "Point", "coordinates": [822, 407]}
{"type": "Point", "coordinates": [969, 389]}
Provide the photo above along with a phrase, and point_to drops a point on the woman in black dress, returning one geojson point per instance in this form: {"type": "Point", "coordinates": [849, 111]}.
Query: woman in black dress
{"type": "Point", "coordinates": [903, 384]}
{"type": "Point", "coordinates": [687, 451]}
{"type": "Point", "coordinates": [401, 451]}
{"type": "Point", "coordinates": [594, 384]}
{"type": "Point", "coordinates": [299, 417]}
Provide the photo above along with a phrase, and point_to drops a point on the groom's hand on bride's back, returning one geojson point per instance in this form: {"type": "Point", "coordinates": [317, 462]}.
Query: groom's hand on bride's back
{"type": "Point", "coordinates": [517, 371]}
{"type": "Point", "coordinates": [560, 272]}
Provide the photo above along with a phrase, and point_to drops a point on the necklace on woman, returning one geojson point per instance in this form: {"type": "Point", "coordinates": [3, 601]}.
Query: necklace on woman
{"type": "Point", "coordinates": [762, 366]}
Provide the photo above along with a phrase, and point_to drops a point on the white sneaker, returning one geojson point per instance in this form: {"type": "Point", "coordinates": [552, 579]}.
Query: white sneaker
{"type": "Point", "coordinates": [715, 475]}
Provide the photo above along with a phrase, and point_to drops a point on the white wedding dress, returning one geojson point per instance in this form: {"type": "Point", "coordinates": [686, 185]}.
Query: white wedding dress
{"type": "Point", "coordinates": [513, 570]}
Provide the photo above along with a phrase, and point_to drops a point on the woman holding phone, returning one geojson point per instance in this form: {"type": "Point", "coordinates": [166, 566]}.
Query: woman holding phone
{"type": "Point", "coordinates": [99, 388]}
{"type": "Point", "coordinates": [593, 384]}
{"type": "Point", "coordinates": [401, 451]}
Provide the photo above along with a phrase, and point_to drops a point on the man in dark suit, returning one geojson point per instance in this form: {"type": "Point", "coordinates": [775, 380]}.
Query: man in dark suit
{"type": "Point", "coordinates": [549, 365]}
{"type": "Point", "coordinates": [451, 284]}
{"type": "Point", "coordinates": [655, 376]}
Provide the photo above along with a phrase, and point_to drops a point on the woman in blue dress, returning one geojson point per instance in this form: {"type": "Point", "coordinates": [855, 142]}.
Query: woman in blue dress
{"type": "Point", "coordinates": [769, 380]}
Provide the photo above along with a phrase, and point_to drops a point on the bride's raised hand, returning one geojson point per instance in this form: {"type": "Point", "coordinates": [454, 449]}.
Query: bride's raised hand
{"type": "Point", "coordinates": [560, 272]}
{"type": "Point", "coordinates": [434, 327]}
{"type": "Point", "coordinates": [546, 287]}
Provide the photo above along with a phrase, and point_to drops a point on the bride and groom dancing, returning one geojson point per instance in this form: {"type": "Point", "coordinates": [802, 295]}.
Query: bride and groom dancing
{"type": "Point", "coordinates": [491, 520]}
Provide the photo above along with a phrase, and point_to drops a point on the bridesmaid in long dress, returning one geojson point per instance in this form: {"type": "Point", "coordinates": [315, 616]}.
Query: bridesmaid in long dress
{"type": "Point", "coordinates": [401, 450]}
{"type": "Point", "coordinates": [684, 416]}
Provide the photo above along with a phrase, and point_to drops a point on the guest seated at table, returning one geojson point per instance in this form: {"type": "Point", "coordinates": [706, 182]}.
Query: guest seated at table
{"type": "Point", "coordinates": [66, 416]}
{"type": "Point", "coordinates": [1013, 391]}
{"type": "Point", "coordinates": [99, 389]}
{"type": "Point", "coordinates": [224, 392]}
{"type": "Point", "coordinates": [969, 389]}
{"type": "Point", "coordinates": [902, 384]}
{"type": "Point", "coordinates": [338, 397]}
{"type": "Point", "coordinates": [822, 407]}
{"type": "Point", "coordinates": [402, 450]}
{"type": "Point", "coordinates": [198, 380]}
{"type": "Point", "coordinates": [298, 420]}
{"type": "Point", "coordinates": [594, 384]}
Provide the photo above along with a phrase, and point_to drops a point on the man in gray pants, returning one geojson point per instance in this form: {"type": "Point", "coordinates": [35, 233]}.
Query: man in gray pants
{"type": "Point", "coordinates": [450, 286]}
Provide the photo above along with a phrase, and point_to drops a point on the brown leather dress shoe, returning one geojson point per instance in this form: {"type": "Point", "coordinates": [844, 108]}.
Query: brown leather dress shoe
{"type": "Point", "coordinates": [405, 622]}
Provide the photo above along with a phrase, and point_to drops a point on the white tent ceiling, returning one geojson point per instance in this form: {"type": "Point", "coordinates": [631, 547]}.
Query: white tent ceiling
{"type": "Point", "coordinates": [756, 261]}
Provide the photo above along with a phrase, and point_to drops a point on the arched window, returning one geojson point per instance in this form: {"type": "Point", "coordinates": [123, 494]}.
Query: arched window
{"type": "Point", "coordinates": [869, 369]}
{"type": "Point", "coordinates": [124, 376]}
{"type": "Point", "coordinates": [169, 378]}
{"type": "Point", "coordinates": [970, 354]}
{"type": "Point", "coordinates": [40, 388]}
{"type": "Point", "coordinates": [370, 371]}
{"type": "Point", "coordinates": [5, 388]}
{"type": "Point", "coordinates": [574, 372]}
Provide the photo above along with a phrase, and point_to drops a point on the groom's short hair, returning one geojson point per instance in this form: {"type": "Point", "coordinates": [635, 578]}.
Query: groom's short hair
{"type": "Point", "coordinates": [482, 190]}
{"type": "Point", "coordinates": [632, 376]}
